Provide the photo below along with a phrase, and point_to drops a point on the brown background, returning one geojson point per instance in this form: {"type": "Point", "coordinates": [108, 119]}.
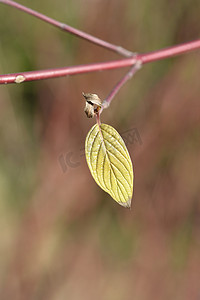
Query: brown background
{"type": "Point", "coordinates": [61, 236]}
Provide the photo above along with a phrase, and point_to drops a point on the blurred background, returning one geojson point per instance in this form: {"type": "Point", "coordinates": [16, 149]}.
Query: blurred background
{"type": "Point", "coordinates": [61, 236]}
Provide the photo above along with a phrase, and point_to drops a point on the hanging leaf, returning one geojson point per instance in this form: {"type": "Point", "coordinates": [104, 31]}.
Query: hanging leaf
{"type": "Point", "coordinates": [109, 163]}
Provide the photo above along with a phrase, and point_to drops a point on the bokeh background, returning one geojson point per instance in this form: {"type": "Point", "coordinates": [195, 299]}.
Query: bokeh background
{"type": "Point", "coordinates": [61, 237]}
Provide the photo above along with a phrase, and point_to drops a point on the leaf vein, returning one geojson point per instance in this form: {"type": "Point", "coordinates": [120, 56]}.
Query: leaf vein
{"type": "Point", "coordinates": [120, 141]}
{"type": "Point", "coordinates": [119, 149]}
{"type": "Point", "coordinates": [93, 141]}
{"type": "Point", "coordinates": [120, 161]}
{"type": "Point", "coordinates": [118, 187]}
{"type": "Point", "coordinates": [121, 173]}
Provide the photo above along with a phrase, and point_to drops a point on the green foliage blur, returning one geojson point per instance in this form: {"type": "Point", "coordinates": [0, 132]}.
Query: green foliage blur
{"type": "Point", "coordinates": [61, 236]}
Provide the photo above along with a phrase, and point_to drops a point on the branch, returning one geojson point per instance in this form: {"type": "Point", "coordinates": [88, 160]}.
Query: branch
{"type": "Point", "coordinates": [120, 83]}
{"type": "Point", "coordinates": [69, 29]}
{"type": "Point", "coordinates": [60, 72]}
{"type": "Point", "coordinates": [170, 51]}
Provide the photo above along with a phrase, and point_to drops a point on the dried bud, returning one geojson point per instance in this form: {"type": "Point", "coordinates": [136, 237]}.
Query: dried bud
{"type": "Point", "coordinates": [93, 104]}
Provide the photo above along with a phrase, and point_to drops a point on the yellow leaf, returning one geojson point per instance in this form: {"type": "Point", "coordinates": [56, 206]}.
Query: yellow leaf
{"type": "Point", "coordinates": [109, 163]}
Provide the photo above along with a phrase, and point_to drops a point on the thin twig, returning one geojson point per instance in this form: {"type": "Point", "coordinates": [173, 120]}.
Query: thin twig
{"type": "Point", "coordinates": [120, 83]}
{"type": "Point", "coordinates": [69, 29]}
{"type": "Point", "coordinates": [60, 72]}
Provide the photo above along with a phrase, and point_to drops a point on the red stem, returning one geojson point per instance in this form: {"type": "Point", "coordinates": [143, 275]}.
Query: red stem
{"type": "Point", "coordinates": [170, 51]}
{"type": "Point", "coordinates": [69, 29]}
{"type": "Point", "coordinates": [60, 72]}
{"type": "Point", "coordinates": [119, 84]}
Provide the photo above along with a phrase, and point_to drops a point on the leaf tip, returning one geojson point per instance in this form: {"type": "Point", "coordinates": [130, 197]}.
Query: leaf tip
{"type": "Point", "coordinates": [126, 204]}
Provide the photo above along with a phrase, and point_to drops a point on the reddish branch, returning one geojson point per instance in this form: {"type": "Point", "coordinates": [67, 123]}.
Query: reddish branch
{"type": "Point", "coordinates": [138, 59]}
{"type": "Point", "coordinates": [59, 72]}
{"type": "Point", "coordinates": [69, 29]}
{"type": "Point", "coordinates": [119, 84]}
